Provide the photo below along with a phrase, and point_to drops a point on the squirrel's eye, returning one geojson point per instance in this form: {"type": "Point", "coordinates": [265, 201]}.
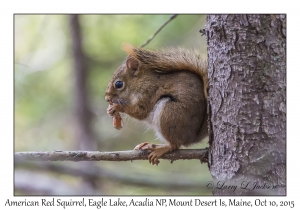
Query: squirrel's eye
{"type": "Point", "coordinates": [119, 84]}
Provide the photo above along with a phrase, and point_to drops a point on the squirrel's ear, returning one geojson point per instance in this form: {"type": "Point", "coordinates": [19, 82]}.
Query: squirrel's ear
{"type": "Point", "coordinates": [132, 65]}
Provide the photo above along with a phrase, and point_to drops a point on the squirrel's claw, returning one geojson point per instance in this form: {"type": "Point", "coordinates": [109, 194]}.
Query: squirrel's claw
{"type": "Point", "coordinates": [153, 158]}
{"type": "Point", "coordinates": [141, 146]}
{"type": "Point", "coordinates": [158, 150]}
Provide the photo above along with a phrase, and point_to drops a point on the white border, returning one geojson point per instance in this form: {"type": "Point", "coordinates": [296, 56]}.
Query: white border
{"type": "Point", "coordinates": [8, 8]}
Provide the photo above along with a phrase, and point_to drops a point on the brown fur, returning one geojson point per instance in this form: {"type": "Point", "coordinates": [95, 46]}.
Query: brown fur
{"type": "Point", "coordinates": [176, 75]}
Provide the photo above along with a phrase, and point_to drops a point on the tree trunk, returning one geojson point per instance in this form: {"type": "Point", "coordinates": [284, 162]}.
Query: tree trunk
{"type": "Point", "coordinates": [84, 131]}
{"type": "Point", "coordinates": [247, 92]}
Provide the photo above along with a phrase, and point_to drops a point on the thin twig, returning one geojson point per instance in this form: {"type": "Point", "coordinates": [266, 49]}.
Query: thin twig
{"type": "Point", "coordinates": [109, 156]}
{"type": "Point", "coordinates": [158, 30]}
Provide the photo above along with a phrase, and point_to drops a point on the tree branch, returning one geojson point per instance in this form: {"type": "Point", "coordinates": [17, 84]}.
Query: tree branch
{"type": "Point", "coordinates": [158, 30]}
{"type": "Point", "coordinates": [200, 154]}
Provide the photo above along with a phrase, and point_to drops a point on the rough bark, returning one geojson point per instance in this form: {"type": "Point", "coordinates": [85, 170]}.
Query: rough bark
{"type": "Point", "coordinates": [247, 76]}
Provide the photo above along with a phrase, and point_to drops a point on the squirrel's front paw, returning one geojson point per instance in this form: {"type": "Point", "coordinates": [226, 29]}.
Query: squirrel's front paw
{"type": "Point", "coordinates": [113, 109]}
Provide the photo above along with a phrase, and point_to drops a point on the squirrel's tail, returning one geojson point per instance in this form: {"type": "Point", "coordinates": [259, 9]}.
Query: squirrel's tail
{"type": "Point", "coordinates": [171, 59]}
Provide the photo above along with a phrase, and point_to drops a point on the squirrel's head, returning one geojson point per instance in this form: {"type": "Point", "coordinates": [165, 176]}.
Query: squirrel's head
{"type": "Point", "coordinates": [121, 87]}
{"type": "Point", "coordinates": [134, 79]}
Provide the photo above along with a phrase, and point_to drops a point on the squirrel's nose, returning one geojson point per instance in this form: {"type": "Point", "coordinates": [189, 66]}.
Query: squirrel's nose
{"type": "Point", "coordinates": [107, 98]}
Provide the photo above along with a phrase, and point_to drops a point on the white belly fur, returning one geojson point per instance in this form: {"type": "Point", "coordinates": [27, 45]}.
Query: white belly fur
{"type": "Point", "coordinates": [153, 120]}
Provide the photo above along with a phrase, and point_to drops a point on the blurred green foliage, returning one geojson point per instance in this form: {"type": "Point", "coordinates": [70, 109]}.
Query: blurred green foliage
{"type": "Point", "coordinates": [44, 87]}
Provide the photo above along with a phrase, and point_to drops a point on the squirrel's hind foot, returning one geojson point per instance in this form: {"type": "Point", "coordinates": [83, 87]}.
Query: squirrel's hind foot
{"type": "Point", "coordinates": [158, 150]}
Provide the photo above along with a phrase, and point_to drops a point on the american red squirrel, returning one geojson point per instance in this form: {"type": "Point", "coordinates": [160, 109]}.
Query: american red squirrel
{"type": "Point", "coordinates": [167, 89]}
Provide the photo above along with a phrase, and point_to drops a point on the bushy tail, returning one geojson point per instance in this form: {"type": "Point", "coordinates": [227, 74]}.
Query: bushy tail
{"type": "Point", "coordinates": [171, 59]}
